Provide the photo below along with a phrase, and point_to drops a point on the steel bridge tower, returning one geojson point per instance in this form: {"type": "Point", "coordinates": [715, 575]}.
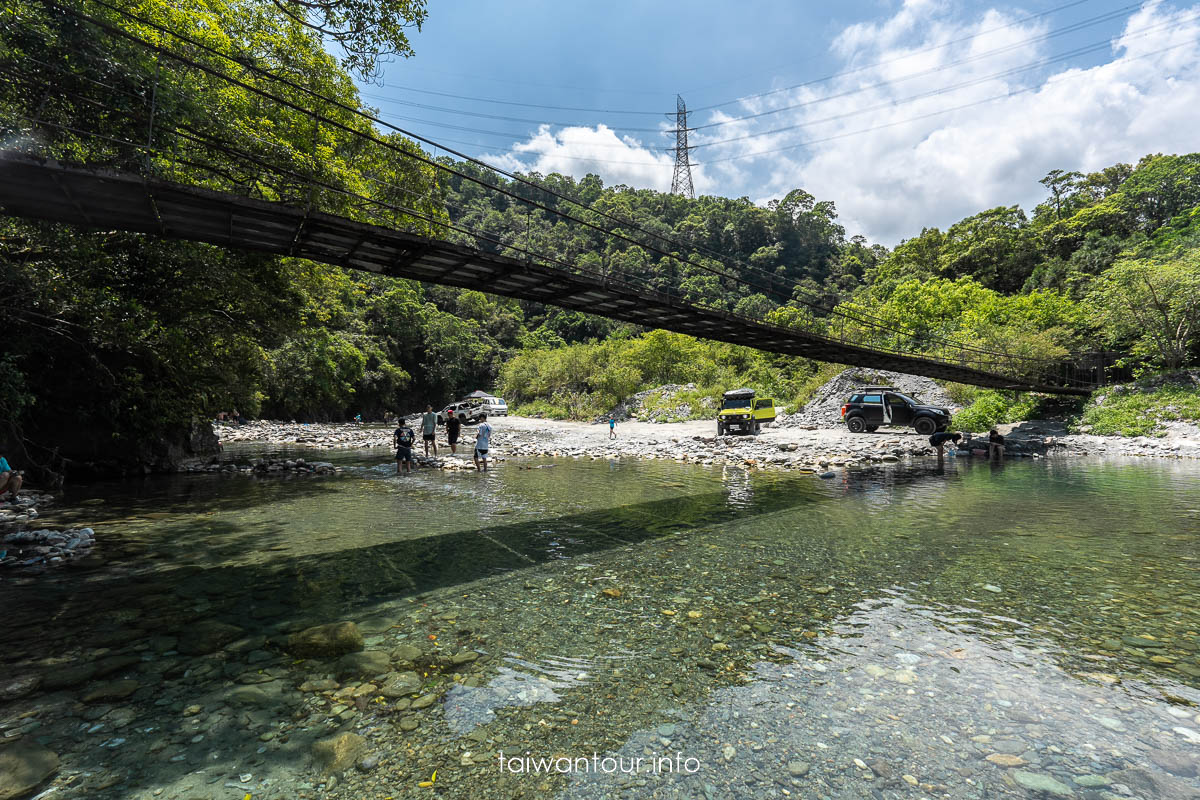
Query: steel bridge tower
{"type": "Point", "coordinates": [681, 181]}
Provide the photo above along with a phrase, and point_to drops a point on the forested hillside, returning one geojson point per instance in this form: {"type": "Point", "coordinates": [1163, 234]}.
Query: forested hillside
{"type": "Point", "coordinates": [116, 342]}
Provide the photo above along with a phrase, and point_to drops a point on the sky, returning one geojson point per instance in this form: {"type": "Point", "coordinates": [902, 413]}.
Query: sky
{"type": "Point", "coordinates": [906, 114]}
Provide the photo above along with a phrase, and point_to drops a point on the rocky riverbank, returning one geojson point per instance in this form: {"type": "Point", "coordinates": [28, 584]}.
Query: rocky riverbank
{"type": "Point", "coordinates": [21, 547]}
{"type": "Point", "coordinates": [331, 435]}
{"type": "Point", "coordinates": [794, 446]}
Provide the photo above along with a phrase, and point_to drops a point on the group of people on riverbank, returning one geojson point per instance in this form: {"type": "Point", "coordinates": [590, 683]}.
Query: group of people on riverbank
{"type": "Point", "coordinates": [995, 445]}
{"type": "Point", "coordinates": [404, 439]}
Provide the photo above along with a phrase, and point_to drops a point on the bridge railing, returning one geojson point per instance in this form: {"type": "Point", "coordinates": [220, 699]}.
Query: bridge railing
{"type": "Point", "coordinates": [94, 83]}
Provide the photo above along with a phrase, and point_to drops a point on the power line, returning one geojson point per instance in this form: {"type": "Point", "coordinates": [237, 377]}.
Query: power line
{"type": "Point", "coordinates": [512, 102]}
{"type": "Point", "coordinates": [1085, 50]}
{"type": "Point", "coordinates": [1109, 16]}
{"type": "Point", "coordinates": [247, 63]}
{"type": "Point", "coordinates": [929, 49]}
{"type": "Point", "coordinates": [893, 124]}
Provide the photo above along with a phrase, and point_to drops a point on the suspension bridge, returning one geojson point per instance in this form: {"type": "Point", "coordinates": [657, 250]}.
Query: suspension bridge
{"type": "Point", "coordinates": [132, 192]}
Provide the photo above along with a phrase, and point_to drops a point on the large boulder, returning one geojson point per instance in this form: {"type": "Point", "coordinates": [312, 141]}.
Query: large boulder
{"type": "Point", "coordinates": [23, 766]}
{"type": "Point", "coordinates": [206, 637]}
{"type": "Point", "coordinates": [326, 641]}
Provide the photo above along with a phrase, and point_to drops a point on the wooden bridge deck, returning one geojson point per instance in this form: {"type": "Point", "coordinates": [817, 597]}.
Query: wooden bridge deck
{"type": "Point", "coordinates": [104, 200]}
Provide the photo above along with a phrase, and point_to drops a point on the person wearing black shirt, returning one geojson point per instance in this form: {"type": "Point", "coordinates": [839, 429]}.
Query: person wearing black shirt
{"type": "Point", "coordinates": [938, 440]}
{"type": "Point", "coordinates": [403, 438]}
{"type": "Point", "coordinates": [453, 426]}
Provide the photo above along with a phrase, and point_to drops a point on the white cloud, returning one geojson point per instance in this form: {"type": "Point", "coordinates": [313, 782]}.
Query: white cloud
{"type": "Point", "coordinates": [580, 150]}
{"type": "Point", "coordinates": [933, 118]}
{"type": "Point", "coordinates": [906, 172]}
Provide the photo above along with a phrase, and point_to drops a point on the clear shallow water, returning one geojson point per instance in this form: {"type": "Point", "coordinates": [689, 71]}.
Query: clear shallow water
{"type": "Point", "coordinates": [771, 627]}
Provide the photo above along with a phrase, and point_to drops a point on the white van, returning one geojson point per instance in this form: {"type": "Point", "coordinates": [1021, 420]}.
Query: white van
{"type": "Point", "coordinates": [495, 406]}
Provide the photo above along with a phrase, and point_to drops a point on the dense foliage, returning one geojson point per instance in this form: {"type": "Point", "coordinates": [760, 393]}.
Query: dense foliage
{"type": "Point", "coordinates": [115, 339]}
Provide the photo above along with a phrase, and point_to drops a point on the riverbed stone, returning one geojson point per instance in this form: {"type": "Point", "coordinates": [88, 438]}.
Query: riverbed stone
{"type": "Point", "coordinates": [1038, 782]}
{"type": "Point", "coordinates": [326, 641]}
{"type": "Point", "coordinates": [366, 664]}
{"type": "Point", "coordinates": [207, 637]}
{"type": "Point", "coordinates": [1176, 762]}
{"type": "Point", "coordinates": [1151, 783]}
{"type": "Point", "coordinates": [23, 767]}
{"type": "Point", "coordinates": [401, 684]}
{"type": "Point", "coordinates": [68, 675]}
{"type": "Point", "coordinates": [336, 753]}
{"type": "Point", "coordinates": [261, 695]}
{"type": "Point", "coordinates": [112, 690]}
{"type": "Point", "coordinates": [20, 686]}
{"type": "Point", "coordinates": [406, 653]}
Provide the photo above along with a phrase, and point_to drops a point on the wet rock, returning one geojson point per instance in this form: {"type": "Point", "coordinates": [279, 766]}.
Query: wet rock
{"type": "Point", "coordinates": [12, 688]}
{"type": "Point", "coordinates": [1154, 784]}
{"type": "Point", "coordinates": [368, 763]}
{"type": "Point", "coordinates": [798, 769]}
{"type": "Point", "coordinates": [325, 641]}
{"type": "Point", "coordinates": [366, 664]}
{"type": "Point", "coordinates": [401, 684]}
{"type": "Point", "coordinates": [113, 690]}
{"type": "Point", "coordinates": [71, 675]}
{"type": "Point", "coordinates": [337, 753]}
{"type": "Point", "coordinates": [207, 637]}
{"type": "Point", "coordinates": [23, 767]}
{"type": "Point", "coordinates": [1176, 762]}
{"type": "Point", "coordinates": [111, 664]}
{"type": "Point", "coordinates": [465, 657]}
{"type": "Point", "coordinates": [1037, 782]}
{"type": "Point", "coordinates": [262, 695]}
{"type": "Point", "coordinates": [319, 685]}
{"type": "Point", "coordinates": [1006, 760]}
{"type": "Point", "coordinates": [424, 701]}
{"type": "Point", "coordinates": [406, 653]}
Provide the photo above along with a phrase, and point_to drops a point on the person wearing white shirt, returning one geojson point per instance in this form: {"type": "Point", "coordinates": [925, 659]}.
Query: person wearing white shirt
{"type": "Point", "coordinates": [483, 437]}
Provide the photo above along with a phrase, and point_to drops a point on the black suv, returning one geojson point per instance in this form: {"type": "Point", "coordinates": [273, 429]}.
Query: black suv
{"type": "Point", "coordinates": [872, 406]}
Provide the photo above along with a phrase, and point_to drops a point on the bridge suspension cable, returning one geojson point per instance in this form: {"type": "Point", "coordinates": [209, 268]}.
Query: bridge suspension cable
{"type": "Point", "coordinates": [882, 331]}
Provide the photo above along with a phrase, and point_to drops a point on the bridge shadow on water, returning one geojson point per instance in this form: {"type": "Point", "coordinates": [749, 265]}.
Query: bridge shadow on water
{"type": "Point", "coordinates": [284, 593]}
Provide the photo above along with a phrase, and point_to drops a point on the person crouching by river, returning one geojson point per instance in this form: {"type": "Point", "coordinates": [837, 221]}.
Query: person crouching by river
{"type": "Point", "coordinates": [483, 438]}
{"type": "Point", "coordinates": [938, 441]}
{"type": "Point", "coordinates": [403, 437]}
{"type": "Point", "coordinates": [453, 426]}
{"type": "Point", "coordinates": [995, 446]}
{"type": "Point", "coordinates": [10, 479]}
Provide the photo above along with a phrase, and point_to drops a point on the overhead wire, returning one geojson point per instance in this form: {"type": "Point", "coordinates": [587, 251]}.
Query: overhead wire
{"type": "Point", "coordinates": [516, 178]}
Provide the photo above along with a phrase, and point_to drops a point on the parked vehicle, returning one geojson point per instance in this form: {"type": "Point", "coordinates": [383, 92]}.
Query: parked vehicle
{"type": "Point", "coordinates": [468, 412]}
{"type": "Point", "coordinates": [495, 406]}
{"type": "Point", "coordinates": [873, 406]}
{"type": "Point", "coordinates": [742, 411]}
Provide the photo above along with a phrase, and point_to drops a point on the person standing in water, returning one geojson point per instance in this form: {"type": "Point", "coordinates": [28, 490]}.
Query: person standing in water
{"type": "Point", "coordinates": [453, 426]}
{"type": "Point", "coordinates": [612, 427]}
{"type": "Point", "coordinates": [429, 429]}
{"type": "Point", "coordinates": [403, 438]}
{"type": "Point", "coordinates": [483, 438]}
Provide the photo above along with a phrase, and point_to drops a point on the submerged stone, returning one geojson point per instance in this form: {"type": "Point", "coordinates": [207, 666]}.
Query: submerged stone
{"type": "Point", "coordinates": [333, 639]}
{"type": "Point", "coordinates": [23, 767]}
{"type": "Point", "coordinates": [1037, 782]}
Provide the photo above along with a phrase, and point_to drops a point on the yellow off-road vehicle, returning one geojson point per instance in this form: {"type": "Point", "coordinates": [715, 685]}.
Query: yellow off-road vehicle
{"type": "Point", "coordinates": [742, 411]}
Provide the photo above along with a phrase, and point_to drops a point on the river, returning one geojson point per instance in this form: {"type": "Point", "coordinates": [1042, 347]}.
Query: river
{"type": "Point", "coordinates": [661, 630]}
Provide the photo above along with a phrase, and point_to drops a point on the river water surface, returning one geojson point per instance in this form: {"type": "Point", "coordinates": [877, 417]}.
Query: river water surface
{"type": "Point", "coordinates": [643, 628]}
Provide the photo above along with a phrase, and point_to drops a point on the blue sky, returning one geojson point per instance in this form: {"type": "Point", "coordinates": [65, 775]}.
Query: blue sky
{"type": "Point", "coordinates": [905, 113]}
